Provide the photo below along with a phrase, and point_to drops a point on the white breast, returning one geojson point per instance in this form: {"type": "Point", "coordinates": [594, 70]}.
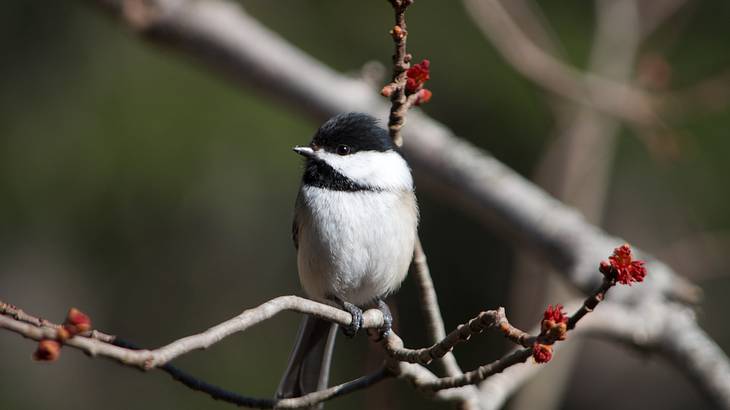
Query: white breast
{"type": "Point", "coordinates": [355, 246]}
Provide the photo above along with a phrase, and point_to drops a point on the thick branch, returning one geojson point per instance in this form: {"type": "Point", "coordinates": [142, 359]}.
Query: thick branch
{"type": "Point", "coordinates": [220, 34]}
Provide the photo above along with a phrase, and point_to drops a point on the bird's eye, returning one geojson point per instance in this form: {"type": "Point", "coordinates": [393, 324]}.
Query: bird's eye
{"type": "Point", "coordinates": [343, 150]}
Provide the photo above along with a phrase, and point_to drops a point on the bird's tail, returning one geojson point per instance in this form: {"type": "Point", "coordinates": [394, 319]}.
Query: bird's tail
{"type": "Point", "coordinates": [309, 364]}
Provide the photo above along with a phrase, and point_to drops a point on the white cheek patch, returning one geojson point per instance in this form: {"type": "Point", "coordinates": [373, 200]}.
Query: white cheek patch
{"type": "Point", "coordinates": [380, 170]}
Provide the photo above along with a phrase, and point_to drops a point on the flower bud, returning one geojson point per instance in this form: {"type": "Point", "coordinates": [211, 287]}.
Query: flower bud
{"type": "Point", "coordinates": [48, 351]}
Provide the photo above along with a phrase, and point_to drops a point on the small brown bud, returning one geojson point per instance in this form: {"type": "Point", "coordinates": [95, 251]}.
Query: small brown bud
{"type": "Point", "coordinates": [48, 351]}
{"type": "Point", "coordinates": [398, 33]}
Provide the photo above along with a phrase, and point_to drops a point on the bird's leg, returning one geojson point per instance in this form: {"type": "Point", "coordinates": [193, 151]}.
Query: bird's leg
{"type": "Point", "coordinates": [387, 318]}
{"type": "Point", "coordinates": [356, 313]}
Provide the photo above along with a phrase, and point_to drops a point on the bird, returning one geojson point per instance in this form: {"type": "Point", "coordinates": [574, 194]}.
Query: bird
{"type": "Point", "coordinates": [355, 228]}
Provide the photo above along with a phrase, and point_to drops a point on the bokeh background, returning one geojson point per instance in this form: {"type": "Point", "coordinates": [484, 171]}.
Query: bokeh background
{"type": "Point", "coordinates": [156, 196]}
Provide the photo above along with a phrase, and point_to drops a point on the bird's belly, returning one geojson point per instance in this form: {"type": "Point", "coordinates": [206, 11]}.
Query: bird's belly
{"type": "Point", "coordinates": [355, 246]}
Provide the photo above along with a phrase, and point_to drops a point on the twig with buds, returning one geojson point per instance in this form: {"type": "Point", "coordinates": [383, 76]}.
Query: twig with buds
{"type": "Point", "coordinates": [406, 89]}
{"type": "Point", "coordinates": [555, 325]}
{"type": "Point", "coordinates": [76, 332]}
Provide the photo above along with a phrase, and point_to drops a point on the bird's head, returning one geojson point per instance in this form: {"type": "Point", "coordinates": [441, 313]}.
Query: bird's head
{"type": "Point", "coordinates": [351, 152]}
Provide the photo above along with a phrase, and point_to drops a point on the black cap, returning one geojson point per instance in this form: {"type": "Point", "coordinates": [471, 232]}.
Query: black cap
{"type": "Point", "coordinates": [359, 131]}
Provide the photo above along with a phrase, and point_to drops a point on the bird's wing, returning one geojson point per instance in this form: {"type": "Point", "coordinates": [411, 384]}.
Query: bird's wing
{"type": "Point", "coordinates": [297, 221]}
{"type": "Point", "coordinates": [295, 232]}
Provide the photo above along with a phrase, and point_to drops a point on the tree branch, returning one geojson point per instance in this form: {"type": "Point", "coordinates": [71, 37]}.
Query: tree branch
{"type": "Point", "coordinates": [614, 98]}
{"type": "Point", "coordinates": [97, 344]}
{"type": "Point", "coordinates": [148, 359]}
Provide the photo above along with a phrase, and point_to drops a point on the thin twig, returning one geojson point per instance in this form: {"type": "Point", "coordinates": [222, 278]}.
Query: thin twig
{"type": "Point", "coordinates": [485, 320]}
{"type": "Point", "coordinates": [401, 63]}
{"type": "Point", "coordinates": [429, 305]}
{"type": "Point", "coordinates": [400, 104]}
{"type": "Point", "coordinates": [148, 359]}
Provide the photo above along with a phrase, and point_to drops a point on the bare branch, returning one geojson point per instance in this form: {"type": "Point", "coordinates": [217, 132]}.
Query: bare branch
{"type": "Point", "coordinates": [656, 13]}
{"type": "Point", "coordinates": [608, 96]}
{"type": "Point", "coordinates": [148, 359]}
{"type": "Point", "coordinates": [37, 329]}
{"type": "Point", "coordinates": [710, 94]}
{"type": "Point", "coordinates": [434, 322]}
{"type": "Point", "coordinates": [485, 320]}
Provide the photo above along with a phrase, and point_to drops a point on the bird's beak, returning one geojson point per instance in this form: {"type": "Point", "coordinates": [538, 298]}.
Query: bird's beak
{"type": "Point", "coordinates": [304, 151]}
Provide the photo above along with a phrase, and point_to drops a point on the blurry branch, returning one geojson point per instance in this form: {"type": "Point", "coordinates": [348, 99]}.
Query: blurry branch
{"type": "Point", "coordinates": [710, 94]}
{"type": "Point", "coordinates": [655, 328]}
{"type": "Point", "coordinates": [221, 35]}
{"type": "Point", "coordinates": [703, 253]}
{"type": "Point", "coordinates": [528, 15]}
{"type": "Point", "coordinates": [611, 97]}
{"type": "Point", "coordinates": [654, 13]}
{"type": "Point", "coordinates": [577, 165]}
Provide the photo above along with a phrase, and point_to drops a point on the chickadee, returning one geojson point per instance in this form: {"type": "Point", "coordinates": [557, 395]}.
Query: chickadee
{"type": "Point", "coordinates": [355, 227]}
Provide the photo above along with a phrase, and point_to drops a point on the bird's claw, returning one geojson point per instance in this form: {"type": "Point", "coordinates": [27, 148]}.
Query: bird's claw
{"type": "Point", "coordinates": [384, 330]}
{"type": "Point", "coordinates": [356, 323]}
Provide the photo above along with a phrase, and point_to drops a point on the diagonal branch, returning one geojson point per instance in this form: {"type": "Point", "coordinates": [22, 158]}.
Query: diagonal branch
{"type": "Point", "coordinates": [429, 305]}
{"type": "Point", "coordinates": [220, 34]}
{"type": "Point", "coordinates": [611, 97]}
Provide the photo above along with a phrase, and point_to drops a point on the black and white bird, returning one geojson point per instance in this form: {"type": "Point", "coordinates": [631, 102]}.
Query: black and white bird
{"type": "Point", "coordinates": [355, 228]}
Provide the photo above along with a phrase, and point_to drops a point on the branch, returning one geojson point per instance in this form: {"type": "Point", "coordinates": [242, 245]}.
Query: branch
{"type": "Point", "coordinates": [148, 359]}
{"type": "Point", "coordinates": [435, 327]}
{"type": "Point", "coordinates": [485, 320]}
{"type": "Point", "coordinates": [555, 326]}
{"type": "Point", "coordinates": [97, 344]}
{"type": "Point", "coordinates": [222, 35]}
{"type": "Point", "coordinates": [610, 97]}
{"type": "Point", "coordinates": [401, 63]}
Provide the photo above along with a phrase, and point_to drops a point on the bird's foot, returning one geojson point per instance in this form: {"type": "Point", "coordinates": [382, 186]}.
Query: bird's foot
{"type": "Point", "coordinates": [384, 330]}
{"type": "Point", "coordinates": [356, 323]}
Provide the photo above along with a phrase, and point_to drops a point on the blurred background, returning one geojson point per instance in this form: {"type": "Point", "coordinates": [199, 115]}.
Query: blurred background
{"type": "Point", "coordinates": [152, 194]}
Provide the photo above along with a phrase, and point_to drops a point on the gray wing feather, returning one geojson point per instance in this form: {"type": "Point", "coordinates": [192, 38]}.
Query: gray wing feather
{"type": "Point", "coordinates": [296, 222]}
